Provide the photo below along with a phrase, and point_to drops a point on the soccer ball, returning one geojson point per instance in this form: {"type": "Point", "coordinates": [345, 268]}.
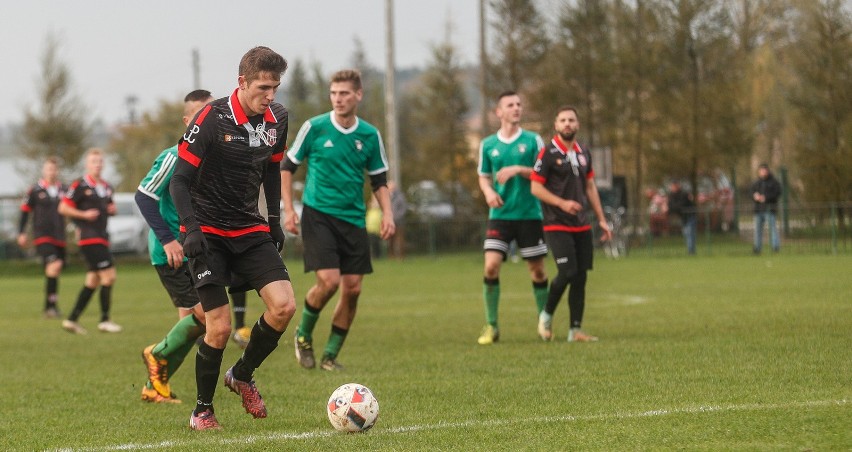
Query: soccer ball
{"type": "Point", "coordinates": [352, 408]}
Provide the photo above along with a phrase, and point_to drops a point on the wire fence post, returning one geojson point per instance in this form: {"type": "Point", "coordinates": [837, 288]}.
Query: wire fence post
{"type": "Point", "coordinates": [833, 222]}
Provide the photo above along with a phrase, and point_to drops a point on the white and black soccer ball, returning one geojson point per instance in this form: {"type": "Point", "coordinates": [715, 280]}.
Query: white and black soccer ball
{"type": "Point", "coordinates": [352, 408]}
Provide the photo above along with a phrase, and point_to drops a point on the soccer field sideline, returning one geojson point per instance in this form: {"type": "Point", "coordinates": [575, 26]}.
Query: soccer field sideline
{"type": "Point", "coordinates": [251, 439]}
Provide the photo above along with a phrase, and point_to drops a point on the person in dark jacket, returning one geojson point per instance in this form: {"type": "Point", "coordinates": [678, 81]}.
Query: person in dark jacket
{"type": "Point", "coordinates": [681, 203]}
{"type": "Point", "coordinates": [765, 191]}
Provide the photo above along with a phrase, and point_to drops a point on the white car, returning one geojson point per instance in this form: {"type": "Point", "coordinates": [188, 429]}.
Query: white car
{"type": "Point", "coordinates": [128, 231]}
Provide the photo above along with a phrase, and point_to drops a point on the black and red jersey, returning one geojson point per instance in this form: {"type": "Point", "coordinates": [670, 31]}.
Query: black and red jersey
{"type": "Point", "coordinates": [42, 201]}
{"type": "Point", "coordinates": [225, 155]}
{"type": "Point", "coordinates": [85, 193]}
{"type": "Point", "coordinates": [564, 173]}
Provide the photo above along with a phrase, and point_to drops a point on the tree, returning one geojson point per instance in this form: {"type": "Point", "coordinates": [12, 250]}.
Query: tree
{"type": "Point", "coordinates": [303, 99]}
{"type": "Point", "coordinates": [372, 106]}
{"type": "Point", "coordinates": [822, 99]}
{"type": "Point", "coordinates": [135, 146]}
{"type": "Point", "coordinates": [520, 43]}
{"type": "Point", "coordinates": [437, 129]}
{"type": "Point", "coordinates": [59, 127]}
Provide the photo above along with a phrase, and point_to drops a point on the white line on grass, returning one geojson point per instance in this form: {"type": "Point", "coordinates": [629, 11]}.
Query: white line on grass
{"type": "Point", "coordinates": [279, 436]}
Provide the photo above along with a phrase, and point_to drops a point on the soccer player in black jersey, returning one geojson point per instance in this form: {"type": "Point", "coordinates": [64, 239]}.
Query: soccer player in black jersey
{"type": "Point", "coordinates": [42, 200]}
{"type": "Point", "coordinates": [564, 181]}
{"type": "Point", "coordinates": [88, 202]}
{"type": "Point", "coordinates": [232, 147]}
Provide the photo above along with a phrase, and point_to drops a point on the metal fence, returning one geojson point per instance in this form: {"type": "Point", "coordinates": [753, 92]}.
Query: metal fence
{"type": "Point", "coordinates": [805, 228]}
{"type": "Point", "coordinates": [814, 228]}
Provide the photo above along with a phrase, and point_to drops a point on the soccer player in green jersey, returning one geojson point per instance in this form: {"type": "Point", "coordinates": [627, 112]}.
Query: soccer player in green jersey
{"type": "Point", "coordinates": [339, 147]}
{"type": "Point", "coordinates": [505, 164]}
{"type": "Point", "coordinates": [155, 202]}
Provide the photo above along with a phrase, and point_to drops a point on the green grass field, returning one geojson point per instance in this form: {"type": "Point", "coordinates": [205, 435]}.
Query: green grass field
{"type": "Point", "coordinates": [695, 353]}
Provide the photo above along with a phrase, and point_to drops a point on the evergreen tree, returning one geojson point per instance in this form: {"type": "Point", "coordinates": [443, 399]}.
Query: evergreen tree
{"type": "Point", "coordinates": [59, 124]}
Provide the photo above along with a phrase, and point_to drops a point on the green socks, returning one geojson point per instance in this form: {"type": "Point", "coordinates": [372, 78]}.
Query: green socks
{"type": "Point", "coordinates": [310, 316]}
{"type": "Point", "coordinates": [335, 342]}
{"type": "Point", "coordinates": [179, 340]}
{"type": "Point", "coordinates": [491, 292]}
{"type": "Point", "coordinates": [540, 293]}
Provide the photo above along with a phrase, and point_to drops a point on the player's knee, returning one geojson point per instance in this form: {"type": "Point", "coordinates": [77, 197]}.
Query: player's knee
{"type": "Point", "coordinates": [217, 333]}
{"type": "Point", "coordinates": [282, 309]}
{"type": "Point", "coordinates": [492, 271]}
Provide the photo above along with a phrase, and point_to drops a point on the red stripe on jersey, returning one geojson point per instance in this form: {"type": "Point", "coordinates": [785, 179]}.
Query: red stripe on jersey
{"type": "Point", "coordinates": [202, 115]}
{"type": "Point", "coordinates": [276, 158]}
{"type": "Point", "coordinates": [50, 240]}
{"type": "Point", "coordinates": [69, 202]}
{"type": "Point", "coordinates": [563, 228]}
{"type": "Point", "coordinates": [237, 109]}
{"type": "Point", "coordinates": [94, 241]}
{"type": "Point", "coordinates": [183, 152]}
{"type": "Point", "coordinates": [590, 174]}
{"type": "Point", "coordinates": [236, 232]}
{"type": "Point", "coordinates": [26, 208]}
{"type": "Point", "coordinates": [268, 116]}
{"type": "Point", "coordinates": [537, 177]}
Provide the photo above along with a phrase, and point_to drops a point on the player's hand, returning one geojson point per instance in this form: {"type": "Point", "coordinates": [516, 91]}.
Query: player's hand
{"type": "Point", "coordinates": [194, 244]}
{"type": "Point", "coordinates": [91, 214]}
{"type": "Point", "coordinates": [506, 173]}
{"type": "Point", "coordinates": [174, 253]}
{"type": "Point", "coordinates": [277, 236]}
{"type": "Point", "coordinates": [291, 221]}
{"type": "Point", "coordinates": [493, 200]}
{"type": "Point", "coordinates": [111, 209]}
{"type": "Point", "coordinates": [388, 227]}
{"type": "Point", "coordinates": [22, 240]}
{"type": "Point", "coordinates": [570, 207]}
{"type": "Point", "coordinates": [607, 232]}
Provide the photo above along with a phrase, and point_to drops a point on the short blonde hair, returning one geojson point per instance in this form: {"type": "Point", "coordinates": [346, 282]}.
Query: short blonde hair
{"type": "Point", "coordinates": [348, 75]}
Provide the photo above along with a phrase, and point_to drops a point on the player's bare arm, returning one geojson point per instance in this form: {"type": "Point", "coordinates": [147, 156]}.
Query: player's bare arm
{"type": "Point", "coordinates": [546, 196]}
{"type": "Point", "coordinates": [509, 172]}
{"type": "Point", "coordinates": [388, 226]}
{"type": "Point", "coordinates": [73, 212]}
{"type": "Point", "coordinates": [491, 197]}
{"type": "Point", "coordinates": [595, 201]}
{"type": "Point", "coordinates": [291, 218]}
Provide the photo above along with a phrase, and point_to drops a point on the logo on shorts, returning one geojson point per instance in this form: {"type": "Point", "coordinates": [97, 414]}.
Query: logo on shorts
{"type": "Point", "coordinates": [561, 260]}
{"type": "Point", "coordinates": [203, 274]}
{"type": "Point", "coordinates": [102, 264]}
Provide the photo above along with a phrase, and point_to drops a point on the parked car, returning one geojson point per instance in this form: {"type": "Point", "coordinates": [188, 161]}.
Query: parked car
{"type": "Point", "coordinates": [430, 202]}
{"type": "Point", "coordinates": [128, 231]}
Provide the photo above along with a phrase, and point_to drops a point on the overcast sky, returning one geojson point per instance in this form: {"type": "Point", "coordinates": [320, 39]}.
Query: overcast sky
{"type": "Point", "coordinates": [143, 48]}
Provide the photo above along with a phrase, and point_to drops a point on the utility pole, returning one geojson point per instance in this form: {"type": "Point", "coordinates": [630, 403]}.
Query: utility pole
{"type": "Point", "coordinates": [196, 69]}
{"type": "Point", "coordinates": [390, 96]}
{"type": "Point", "coordinates": [483, 66]}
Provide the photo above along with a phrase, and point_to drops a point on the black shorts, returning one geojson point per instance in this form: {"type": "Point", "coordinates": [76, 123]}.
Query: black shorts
{"type": "Point", "coordinates": [333, 243]}
{"type": "Point", "coordinates": [572, 251]}
{"type": "Point", "coordinates": [50, 252]}
{"type": "Point", "coordinates": [251, 258]}
{"type": "Point", "coordinates": [528, 234]}
{"type": "Point", "coordinates": [178, 284]}
{"type": "Point", "coordinates": [97, 257]}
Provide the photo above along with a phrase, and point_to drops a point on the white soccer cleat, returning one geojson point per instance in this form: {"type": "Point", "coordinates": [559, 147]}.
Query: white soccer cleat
{"type": "Point", "coordinates": [73, 327]}
{"type": "Point", "coordinates": [108, 326]}
{"type": "Point", "coordinates": [545, 324]}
